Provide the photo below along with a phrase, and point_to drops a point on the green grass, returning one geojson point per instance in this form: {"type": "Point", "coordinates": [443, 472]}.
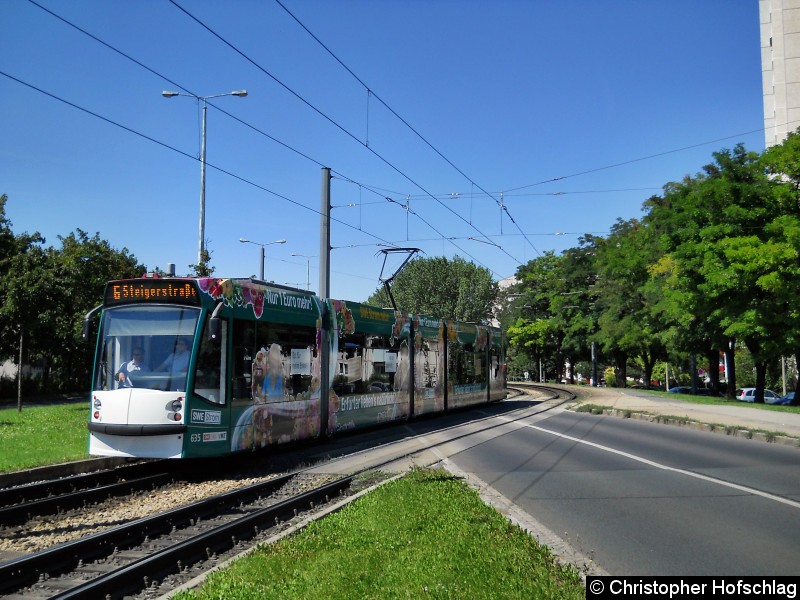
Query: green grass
{"type": "Point", "coordinates": [42, 435]}
{"type": "Point", "coordinates": [426, 535]}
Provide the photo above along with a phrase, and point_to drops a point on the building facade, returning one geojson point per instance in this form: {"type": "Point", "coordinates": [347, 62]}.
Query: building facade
{"type": "Point", "coordinates": [780, 67]}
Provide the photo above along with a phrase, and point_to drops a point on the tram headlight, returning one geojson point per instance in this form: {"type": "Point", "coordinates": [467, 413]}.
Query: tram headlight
{"type": "Point", "coordinates": [177, 416]}
{"type": "Point", "coordinates": [97, 404]}
{"type": "Point", "coordinates": [177, 404]}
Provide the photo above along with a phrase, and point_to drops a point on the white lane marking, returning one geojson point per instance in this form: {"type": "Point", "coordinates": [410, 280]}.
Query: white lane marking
{"type": "Point", "coordinates": [651, 463]}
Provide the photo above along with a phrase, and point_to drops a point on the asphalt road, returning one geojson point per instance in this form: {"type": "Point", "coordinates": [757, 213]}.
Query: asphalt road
{"type": "Point", "coordinates": [641, 498]}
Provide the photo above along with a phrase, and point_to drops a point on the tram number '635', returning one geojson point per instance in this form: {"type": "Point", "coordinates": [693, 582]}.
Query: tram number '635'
{"type": "Point", "coordinates": [211, 436]}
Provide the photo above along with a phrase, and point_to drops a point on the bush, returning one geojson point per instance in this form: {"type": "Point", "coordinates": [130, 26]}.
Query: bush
{"type": "Point", "coordinates": [610, 376]}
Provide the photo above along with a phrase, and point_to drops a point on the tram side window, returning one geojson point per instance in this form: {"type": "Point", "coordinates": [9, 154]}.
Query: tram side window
{"type": "Point", "coordinates": [494, 365]}
{"type": "Point", "coordinates": [285, 363]}
{"type": "Point", "coordinates": [350, 366]}
{"type": "Point", "coordinates": [465, 363]}
{"type": "Point", "coordinates": [244, 351]}
{"type": "Point", "coordinates": [210, 374]}
{"type": "Point", "coordinates": [426, 370]}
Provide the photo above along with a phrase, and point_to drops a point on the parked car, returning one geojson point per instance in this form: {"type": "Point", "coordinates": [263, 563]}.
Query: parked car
{"type": "Point", "coordinates": [749, 395]}
{"type": "Point", "coordinates": [681, 389]}
{"type": "Point", "coordinates": [685, 389]}
{"type": "Point", "coordinates": [787, 400]}
{"type": "Point", "coordinates": [704, 392]}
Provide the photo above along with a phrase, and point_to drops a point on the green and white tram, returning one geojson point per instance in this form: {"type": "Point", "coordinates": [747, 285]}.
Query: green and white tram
{"type": "Point", "coordinates": [207, 367]}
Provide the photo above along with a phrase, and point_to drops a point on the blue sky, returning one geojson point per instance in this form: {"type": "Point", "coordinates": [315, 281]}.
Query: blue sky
{"type": "Point", "coordinates": [575, 110]}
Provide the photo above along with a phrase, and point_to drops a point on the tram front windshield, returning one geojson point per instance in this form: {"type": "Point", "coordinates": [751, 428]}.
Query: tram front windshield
{"type": "Point", "coordinates": [145, 347]}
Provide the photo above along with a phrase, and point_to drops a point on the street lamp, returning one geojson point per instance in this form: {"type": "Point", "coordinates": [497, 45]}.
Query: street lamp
{"type": "Point", "coordinates": [308, 266]}
{"type": "Point", "coordinates": [246, 241]}
{"type": "Point", "coordinates": [167, 94]}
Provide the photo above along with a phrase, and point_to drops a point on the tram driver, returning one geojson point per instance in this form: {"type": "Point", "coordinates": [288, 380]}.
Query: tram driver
{"type": "Point", "coordinates": [127, 369]}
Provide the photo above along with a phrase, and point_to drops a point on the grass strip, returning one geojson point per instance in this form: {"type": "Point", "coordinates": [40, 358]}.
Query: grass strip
{"type": "Point", "coordinates": [42, 435]}
{"type": "Point", "coordinates": [426, 535]}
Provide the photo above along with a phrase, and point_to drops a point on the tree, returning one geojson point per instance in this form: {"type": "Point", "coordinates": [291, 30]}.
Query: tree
{"type": "Point", "coordinates": [45, 293]}
{"type": "Point", "coordinates": [626, 323]}
{"type": "Point", "coordinates": [24, 283]}
{"type": "Point", "coordinates": [453, 289]}
{"type": "Point", "coordinates": [782, 165]}
{"type": "Point", "coordinates": [26, 313]}
{"type": "Point", "coordinates": [82, 267]}
{"type": "Point", "coordinates": [537, 331]}
{"type": "Point", "coordinates": [576, 308]}
{"type": "Point", "coordinates": [203, 268]}
{"type": "Point", "coordinates": [712, 228]}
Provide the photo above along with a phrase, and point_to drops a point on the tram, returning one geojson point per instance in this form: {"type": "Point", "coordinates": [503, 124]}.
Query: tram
{"type": "Point", "coordinates": [206, 367]}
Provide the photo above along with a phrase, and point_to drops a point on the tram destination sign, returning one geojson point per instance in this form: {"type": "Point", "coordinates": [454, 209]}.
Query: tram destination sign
{"type": "Point", "coordinates": [152, 291]}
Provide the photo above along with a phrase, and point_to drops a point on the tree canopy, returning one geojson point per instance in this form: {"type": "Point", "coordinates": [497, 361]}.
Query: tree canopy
{"type": "Point", "coordinates": [712, 267]}
{"type": "Point", "coordinates": [45, 293]}
{"type": "Point", "coordinates": [454, 289]}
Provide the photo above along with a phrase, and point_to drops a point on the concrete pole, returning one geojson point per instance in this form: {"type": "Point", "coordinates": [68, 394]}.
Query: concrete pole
{"type": "Point", "coordinates": [201, 242]}
{"type": "Point", "coordinates": [324, 294]}
{"type": "Point", "coordinates": [325, 236]}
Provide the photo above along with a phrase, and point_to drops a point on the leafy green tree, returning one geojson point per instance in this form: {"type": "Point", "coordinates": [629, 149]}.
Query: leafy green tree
{"type": "Point", "coordinates": [575, 308]}
{"type": "Point", "coordinates": [45, 293]}
{"type": "Point", "coordinates": [82, 267]}
{"type": "Point", "coordinates": [454, 289]}
{"type": "Point", "coordinates": [712, 231]}
{"type": "Point", "coordinates": [536, 330]}
{"type": "Point", "coordinates": [627, 327]}
{"type": "Point", "coordinates": [26, 313]}
{"type": "Point", "coordinates": [782, 166]}
{"type": "Point", "coordinates": [203, 268]}
{"type": "Point", "coordinates": [24, 282]}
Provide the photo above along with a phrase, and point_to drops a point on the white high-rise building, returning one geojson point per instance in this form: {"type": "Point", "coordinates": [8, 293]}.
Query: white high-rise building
{"type": "Point", "coordinates": [780, 67]}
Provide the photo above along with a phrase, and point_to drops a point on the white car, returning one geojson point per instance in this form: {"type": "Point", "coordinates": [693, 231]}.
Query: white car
{"type": "Point", "coordinates": [749, 395]}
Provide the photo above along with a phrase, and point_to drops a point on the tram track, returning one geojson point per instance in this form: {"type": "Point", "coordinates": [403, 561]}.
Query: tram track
{"type": "Point", "coordinates": [123, 556]}
{"type": "Point", "coordinates": [130, 559]}
{"type": "Point", "coordinates": [21, 503]}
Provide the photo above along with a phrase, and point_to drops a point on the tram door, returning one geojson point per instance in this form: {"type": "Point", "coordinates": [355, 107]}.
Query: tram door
{"type": "Point", "coordinates": [208, 416]}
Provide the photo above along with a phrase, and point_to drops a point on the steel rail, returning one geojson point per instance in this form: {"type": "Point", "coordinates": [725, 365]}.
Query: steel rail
{"type": "Point", "coordinates": [26, 570]}
{"type": "Point", "coordinates": [71, 482]}
{"type": "Point", "coordinates": [135, 576]}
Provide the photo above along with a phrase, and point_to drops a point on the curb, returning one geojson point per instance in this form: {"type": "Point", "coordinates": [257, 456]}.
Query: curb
{"type": "Point", "coordinates": [731, 430]}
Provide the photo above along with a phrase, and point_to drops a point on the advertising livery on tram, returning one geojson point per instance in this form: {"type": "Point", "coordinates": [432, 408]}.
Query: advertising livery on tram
{"type": "Point", "coordinates": [207, 367]}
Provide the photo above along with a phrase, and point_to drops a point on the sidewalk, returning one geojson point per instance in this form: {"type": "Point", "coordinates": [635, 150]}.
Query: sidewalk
{"type": "Point", "coordinates": [738, 415]}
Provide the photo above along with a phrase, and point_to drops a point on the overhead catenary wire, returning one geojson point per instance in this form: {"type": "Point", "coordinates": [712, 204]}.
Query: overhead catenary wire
{"type": "Point", "coordinates": [389, 108]}
{"type": "Point", "coordinates": [182, 153]}
{"type": "Point", "coordinates": [371, 93]}
{"type": "Point", "coordinates": [331, 121]}
{"type": "Point", "coordinates": [227, 172]}
{"type": "Point", "coordinates": [635, 160]}
{"type": "Point", "coordinates": [175, 84]}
